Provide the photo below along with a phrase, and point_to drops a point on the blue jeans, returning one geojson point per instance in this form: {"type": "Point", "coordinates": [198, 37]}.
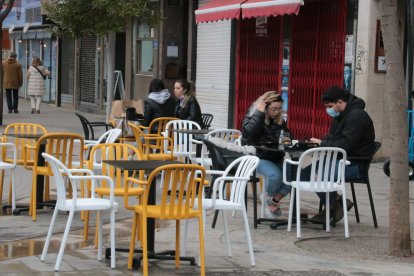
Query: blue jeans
{"type": "Point", "coordinates": [273, 174]}
{"type": "Point", "coordinates": [351, 172]}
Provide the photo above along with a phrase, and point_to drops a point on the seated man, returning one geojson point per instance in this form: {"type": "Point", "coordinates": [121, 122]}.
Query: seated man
{"type": "Point", "coordinates": [352, 130]}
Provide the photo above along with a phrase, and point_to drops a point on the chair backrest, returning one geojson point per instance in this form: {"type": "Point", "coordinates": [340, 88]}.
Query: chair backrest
{"type": "Point", "coordinates": [207, 119]}
{"type": "Point", "coordinates": [177, 199]}
{"type": "Point", "coordinates": [157, 126]}
{"type": "Point", "coordinates": [114, 151]}
{"type": "Point", "coordinates": [242, 168]}
{"type": "Point", "coordinates": [110, 136]}
{"type": "Point", "coordinates": [228, 135]}
{"type": "Point", "coordinates": [22, 128]}
{"type": "Point", "coordinates": [62, 146]}
{"type": "Point", "coordinates": [59, 170]}
{"type": "Point", "coordinates": [182, 145]}
{"type": "Point", "coordinates": [327, 167]}
{"type": "Point", "coordinates": [87, 129]}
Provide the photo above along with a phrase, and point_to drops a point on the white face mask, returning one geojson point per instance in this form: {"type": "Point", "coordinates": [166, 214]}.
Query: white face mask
{"type": "Point", "coordinates": [331, 112]}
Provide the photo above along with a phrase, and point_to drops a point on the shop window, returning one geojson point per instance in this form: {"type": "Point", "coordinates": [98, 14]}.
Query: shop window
{"type": "Point", "coordinates": [145, 49]}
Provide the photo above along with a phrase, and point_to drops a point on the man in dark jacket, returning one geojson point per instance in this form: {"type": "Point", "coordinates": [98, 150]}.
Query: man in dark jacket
{"type": "Point", "coordinates": [352, 130]}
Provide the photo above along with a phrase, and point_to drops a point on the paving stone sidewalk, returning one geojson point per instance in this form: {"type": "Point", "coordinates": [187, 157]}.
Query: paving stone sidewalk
{"type": "Point", "coordinates": [277, 252]}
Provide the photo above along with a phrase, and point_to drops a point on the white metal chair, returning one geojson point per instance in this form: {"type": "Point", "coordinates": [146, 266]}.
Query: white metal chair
{"type": "Point", "coordinates": [10, 164]}
{"type": "Point", "coordinates": [240, 170]}
{"type": "Point", "coordinates": [227, 135]}
{"type": "Point", "coordinates": [79, 204]}
{"type": "Point", "coordinates": [327, 174]}
{"type": "Point", "coordinates": [182, 142]}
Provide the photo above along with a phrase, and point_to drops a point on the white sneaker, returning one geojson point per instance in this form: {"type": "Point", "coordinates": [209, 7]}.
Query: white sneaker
{"type": "Point", "coordinates": [269, 214]}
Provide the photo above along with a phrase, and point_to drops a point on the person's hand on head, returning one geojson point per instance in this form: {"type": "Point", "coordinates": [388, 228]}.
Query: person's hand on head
{"type": "Point", "coordinates": [261, 106]}
{"type": "Point", "coordinates": [315, 140]}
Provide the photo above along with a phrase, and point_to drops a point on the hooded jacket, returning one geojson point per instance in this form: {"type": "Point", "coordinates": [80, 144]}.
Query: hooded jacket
{"type": "Point", "coordinates": [12, 74]}
{"type": "Point", "coordinates": [158, 104]}
{"type": "Point", "coordinates": [256, 132]}
{"type": "Point", "coordinates": [353, 130]}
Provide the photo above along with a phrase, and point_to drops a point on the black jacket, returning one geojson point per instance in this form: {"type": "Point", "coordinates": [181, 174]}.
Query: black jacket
{"type": "Point", "coordinates": [191, 111]}
{"type": "Point", "coordinates": [256, 132]}
{"type": "Point", "coordinates": [352, 130]}
{"type": "Point", "coordinates": [158, 104]}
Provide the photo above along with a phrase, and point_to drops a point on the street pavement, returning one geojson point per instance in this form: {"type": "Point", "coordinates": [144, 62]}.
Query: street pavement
{"type": "Point", "coordinates": [277, 252]}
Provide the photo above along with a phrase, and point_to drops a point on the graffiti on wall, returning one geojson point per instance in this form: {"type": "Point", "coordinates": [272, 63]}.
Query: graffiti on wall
{"type": "Point", "coordinates": [360, 59]}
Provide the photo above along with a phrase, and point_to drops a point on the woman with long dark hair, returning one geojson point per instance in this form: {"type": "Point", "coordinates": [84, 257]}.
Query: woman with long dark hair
{"type": "Point", "coordinates": [187, 107]}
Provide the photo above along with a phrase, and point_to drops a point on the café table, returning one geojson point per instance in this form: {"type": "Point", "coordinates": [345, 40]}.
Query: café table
{"type": "Point", "coordinates": [148, 166]}
{"type": "Point", "coordinates": [40, 178]}
{"type": "Point", "coordinates": [295, 154]}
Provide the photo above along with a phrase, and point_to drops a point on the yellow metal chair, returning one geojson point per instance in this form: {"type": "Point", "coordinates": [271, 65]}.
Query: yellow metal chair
{"type": "Point", "coordinates": [62, 146]}
{"type": "Point", "coordinates": [151, 146]}
{"type": "Point", "coordinates": [177, 201]}
{"type": "Point", "coordinates": [123, 188]}
{"type": "Point", "coordinates": [7, 156]}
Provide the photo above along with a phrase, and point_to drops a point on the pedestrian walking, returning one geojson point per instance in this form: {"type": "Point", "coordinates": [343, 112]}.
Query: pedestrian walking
{"type": "Point", "coordinates": [12, 81]}
{"type": "Point", "coordinates": [36, 75]}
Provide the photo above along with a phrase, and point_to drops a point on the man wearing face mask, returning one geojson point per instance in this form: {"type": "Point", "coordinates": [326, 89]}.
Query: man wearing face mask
{"type": "Point", "coordinates": [352, 130]}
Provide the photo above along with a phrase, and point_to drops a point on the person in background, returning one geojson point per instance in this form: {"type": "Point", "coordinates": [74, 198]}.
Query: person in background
{"type": "Point", "coordinates": [187, 107]}
{"type": "Point", "coordinates": [12, 81]}
{"type": "Point", "coordinates": [262, 125]}
{"type": "Point", "coordinates": [159, 103]}
{"type": "Point", "coordinates": [36, 88]}
{"type": "Point", "coordinates": [352, 130]}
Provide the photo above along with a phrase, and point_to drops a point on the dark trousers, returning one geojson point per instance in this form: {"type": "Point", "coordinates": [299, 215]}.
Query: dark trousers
{"type": "Point", "coordinates": [12, 99]}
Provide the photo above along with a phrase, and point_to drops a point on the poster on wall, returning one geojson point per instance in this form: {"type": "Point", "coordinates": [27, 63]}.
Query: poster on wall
{"type": "Point", "coordinates": [349, 46]}
{"type": "Point", "coordinates": [261, 26]}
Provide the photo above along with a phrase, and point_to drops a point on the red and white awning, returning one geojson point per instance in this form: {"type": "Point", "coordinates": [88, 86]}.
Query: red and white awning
{"type": "Point", "coordinates": [219, 10]}
{"type": "Point", "coordinates": [265, 8]}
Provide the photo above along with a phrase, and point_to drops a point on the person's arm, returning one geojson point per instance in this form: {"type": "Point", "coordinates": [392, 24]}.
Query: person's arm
{"type": "Point", "coordinates": [253, 124]}
{"type": "Point", "coordinates": [20, 75]}
{"type": "Point", "coordinates": [28, 74]}
{"type": "Point", "coordinates": [45, 71]}
{"type": "Point", "coordinates": [148, 113]}
{"type": "Point", "coordinates": [194, 110]}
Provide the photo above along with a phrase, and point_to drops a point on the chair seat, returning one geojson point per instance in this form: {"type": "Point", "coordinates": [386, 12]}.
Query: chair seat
{"type": "Point", "coordinates": [6, 166]}
{"type": "Point", "coordinates": [120, 191]}
{"type": "Point", "coordinates": [220, 204]}
{"type": "Point", "coordinates": [154, 211]}
{"type": "Point", "coordinates": [307, 186]}
{"type": "Point", "coordinates": [87, 204]}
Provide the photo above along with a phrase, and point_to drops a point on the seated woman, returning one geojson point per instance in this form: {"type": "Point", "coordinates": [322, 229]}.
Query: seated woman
{"type": "Point", "coordinates": [159, 103]}
{"type": "Point", "coordinates": [262, 125]}
{"type": "Point", "coordinates": [187, 107]}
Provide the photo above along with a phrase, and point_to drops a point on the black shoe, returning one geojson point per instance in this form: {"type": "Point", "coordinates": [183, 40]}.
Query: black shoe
{"type": "Point", "coordinates": [320, 217]}
{"type": "Point", "coordinates": [16, 111]}
{"type": "Point", "coordinates": [349, 203]}
{"type": "Point", "coordinates": [10, 111]}
{"type": "Point", "coordinates": [337, 214]}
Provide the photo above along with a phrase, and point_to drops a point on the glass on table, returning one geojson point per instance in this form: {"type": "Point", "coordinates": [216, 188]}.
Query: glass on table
{"type": "Point", "coordinates": [287, 141]}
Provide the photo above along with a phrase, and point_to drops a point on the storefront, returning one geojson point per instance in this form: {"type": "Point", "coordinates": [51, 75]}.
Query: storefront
{"type": "Point", "coordinates": [291, 46]}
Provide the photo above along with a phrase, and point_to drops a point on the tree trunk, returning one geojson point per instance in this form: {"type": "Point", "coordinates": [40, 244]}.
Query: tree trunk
{"type": "Point", "coordinates": [110, 63]}
{"type": "Point", "coordinates": [399, 210]}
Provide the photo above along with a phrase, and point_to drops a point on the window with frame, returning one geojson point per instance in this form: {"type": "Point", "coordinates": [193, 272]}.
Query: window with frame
{"type": "Point", "coordinates": [145, 49]}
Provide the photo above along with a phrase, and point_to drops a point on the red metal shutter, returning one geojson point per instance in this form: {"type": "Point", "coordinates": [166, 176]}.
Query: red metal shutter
{"type": "Point", "coordinates": [316, 62]}
{"type": "Point", "coordinates": [258, 63]}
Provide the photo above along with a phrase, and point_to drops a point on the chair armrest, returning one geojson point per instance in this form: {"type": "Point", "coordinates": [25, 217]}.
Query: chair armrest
{"type": "Point", "coordinates": [214, 172]}
{"type": "Point", "coordinates": [144, 127]}
{"type": "Point", "coordinates": [285, 162]}
{"type": "Point", "coordinates": [26, 149]}
{"type": "Point", "coordinates": [11, 146]}
{"type": "Point", "coordinates": [81, 171]}
{"type": "Point", "coordinates": [95, 179]}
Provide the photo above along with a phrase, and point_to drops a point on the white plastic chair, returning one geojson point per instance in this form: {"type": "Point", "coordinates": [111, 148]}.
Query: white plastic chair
{"type": "Point", "coordinates": [325, 161]}
{"type": "Point", "coordinates": [244, 167]}
{"type": "Point", "coordinates": [79, 204]}
{"type": "Point", "coordinates": [108, 137]}
{"type": "Point", "coordinates": [10, 166]}
{"type": "Point", "coordinates": [182, 142]}
{"type": "Point", "coordinates": [227, 135]}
